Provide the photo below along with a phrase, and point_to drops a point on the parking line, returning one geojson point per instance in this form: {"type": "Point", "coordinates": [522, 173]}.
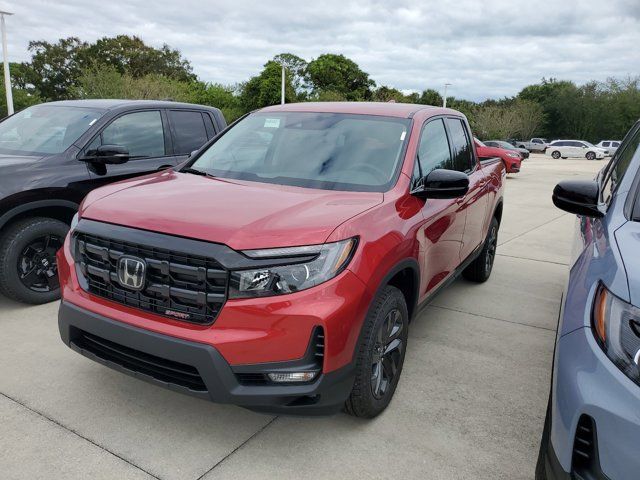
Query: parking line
{"type": "Point", "coordinates": [263, 428]}
{"type": "Point", "coordinates": [493, 318]}
{"type": "Point", "coordinates": [77, 434]}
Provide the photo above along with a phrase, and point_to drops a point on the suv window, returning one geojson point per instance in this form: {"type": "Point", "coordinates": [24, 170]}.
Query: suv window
{"type": "Point", "coordinates": [460, 145]}
{"type": "Point", "coordinates": [433, 151]}
{"type": "Point", "coordinates": [616, 171]}
{"type": "Point", "coordinates": [606, 144]}
{"type": "Point", "coordinates": [615, 144]}
{"type": "Point", "coordinates": [189, 131]}
{"type": "Point", "coordinates": [141, 132]}
{"type": "Point", "coordinates": [536, 140]}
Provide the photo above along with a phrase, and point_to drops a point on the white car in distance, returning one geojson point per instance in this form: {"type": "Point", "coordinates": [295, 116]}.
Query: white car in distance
{"type": "Point", "coordinates": [609, 145]}
{"type": "Point", "coordinates": [575, 149]}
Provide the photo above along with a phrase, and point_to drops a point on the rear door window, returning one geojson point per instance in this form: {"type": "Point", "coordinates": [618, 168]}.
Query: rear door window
{"type": "Point", "coordinates": [189, 131]}
{"type": "Point", "coordinates": [462, 155]}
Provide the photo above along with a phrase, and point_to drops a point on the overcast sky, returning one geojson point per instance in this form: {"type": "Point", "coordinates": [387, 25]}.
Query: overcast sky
{"type": "Point", "coordinates": [486, 49]}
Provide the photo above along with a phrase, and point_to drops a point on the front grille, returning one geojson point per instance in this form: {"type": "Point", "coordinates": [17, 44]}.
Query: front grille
{"type": "Point", "coordinates": [177, 285]}
{"type": "Point", "coordinates": [134, 360]}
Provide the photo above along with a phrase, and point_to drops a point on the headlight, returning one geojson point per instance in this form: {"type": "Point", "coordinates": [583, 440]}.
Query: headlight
{"type": "Point", "coordinates": [513, 155]}
{"type": "Point", "coordinates": [616, 326]}
{"type": "Point", "coordinates": [74, 222]}
{"type": "Point", "coordinates": [329, 260]}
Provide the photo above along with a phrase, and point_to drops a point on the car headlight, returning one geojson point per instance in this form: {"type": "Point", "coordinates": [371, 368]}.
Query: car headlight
{"type": "Point", "coordinates": [328, 260]}
{"type": "Point", "coordinates": [513, 155]}
{"type": "Point", "coordinates": [616, 326]}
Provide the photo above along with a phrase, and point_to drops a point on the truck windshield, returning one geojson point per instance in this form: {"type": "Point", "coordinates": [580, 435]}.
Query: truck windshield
{"type": "Point", "coordinates": [45, 129]}
{"type": "Point", "coordinates": [316, 150]}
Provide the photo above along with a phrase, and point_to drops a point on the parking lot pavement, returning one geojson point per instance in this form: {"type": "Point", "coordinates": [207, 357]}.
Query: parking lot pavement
{"type": "Point", "coordinates": [470, 403]}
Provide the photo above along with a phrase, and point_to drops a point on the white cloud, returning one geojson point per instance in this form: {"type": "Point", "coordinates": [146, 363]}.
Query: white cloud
{"type": "Point", "coordinates": [487, 49]}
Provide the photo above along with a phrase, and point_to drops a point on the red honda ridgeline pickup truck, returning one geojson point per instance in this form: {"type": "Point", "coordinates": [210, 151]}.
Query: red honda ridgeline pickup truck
{"type": "Point", "coordinates": [279, 268]}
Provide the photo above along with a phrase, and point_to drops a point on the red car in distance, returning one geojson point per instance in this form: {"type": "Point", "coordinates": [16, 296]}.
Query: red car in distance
{"type": "Point", "coordinates": [512, 160]}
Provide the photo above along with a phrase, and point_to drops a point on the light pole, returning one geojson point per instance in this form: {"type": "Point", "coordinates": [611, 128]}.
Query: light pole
{"type": "Point", "coordinates": [7, 76]}
{"type": "Point", "coordinates": [444, 99]}
{"type": "Point", "coordinates": [282, 87]}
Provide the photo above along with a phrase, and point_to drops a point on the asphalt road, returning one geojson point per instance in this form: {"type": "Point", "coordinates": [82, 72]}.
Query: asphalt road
{"type": "Point", "coordinates": [470, 403]}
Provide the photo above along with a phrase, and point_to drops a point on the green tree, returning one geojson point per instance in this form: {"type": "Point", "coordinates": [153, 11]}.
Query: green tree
{"type": "Point", "coordinates": [387, 94]}
{"type": "Point", "coordinates": [265, 88]}
{"type": "Point", "coordinates": [132, 56]}
{"type": "Point", "coordinates": [55, 67]}
{"type": "Point", "coordinates": [297, 69]}
{"type": "Point", "coordinates": [337, 73]}
{"type": "Point", "coordinates": [430, 97]}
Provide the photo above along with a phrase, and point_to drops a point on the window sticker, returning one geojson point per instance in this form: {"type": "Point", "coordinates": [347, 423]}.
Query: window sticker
{"type": "Point", "coordinates": [271, 123]}
{"type": "Point", "coordinates": [404, 134]}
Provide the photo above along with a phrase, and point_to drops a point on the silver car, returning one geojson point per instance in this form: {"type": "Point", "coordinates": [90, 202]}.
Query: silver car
{"type": "Point", "coordinates": [609, 145]}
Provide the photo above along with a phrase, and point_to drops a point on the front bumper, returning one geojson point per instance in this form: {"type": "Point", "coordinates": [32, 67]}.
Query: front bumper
{"type": "Point", "coordinates": [587, 383]}
{"type": "Point", "coordinates": [196, 368]}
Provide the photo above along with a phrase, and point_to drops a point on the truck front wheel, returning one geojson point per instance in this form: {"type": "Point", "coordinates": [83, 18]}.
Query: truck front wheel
{"type": "Point", "coordinates": [28, 269]}
{"type": "Point", "coordinates": [380, 355]}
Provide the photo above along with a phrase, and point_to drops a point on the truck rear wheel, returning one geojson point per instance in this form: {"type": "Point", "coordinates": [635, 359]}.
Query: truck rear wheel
{"type": "Point", "coordinates": [28, 268]}
{"type": "Point", "coordinates": [380, 355]}
{"type": "Point", "coordinates": [480, 269]}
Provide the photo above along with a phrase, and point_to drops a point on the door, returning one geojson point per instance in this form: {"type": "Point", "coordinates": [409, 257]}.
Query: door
{"type": "Point", "coordinates": [440, 235]}
{"type": "Point", "coordinates": [145, 134]}
{"type": "Point", "coordinates": [577, 149]}
{"type": "Point", "coordinates": [473, 206]}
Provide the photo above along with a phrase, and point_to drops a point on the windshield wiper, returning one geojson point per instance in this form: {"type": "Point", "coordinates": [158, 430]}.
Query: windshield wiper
{"type": "Point", "coordinates": [195, 171]}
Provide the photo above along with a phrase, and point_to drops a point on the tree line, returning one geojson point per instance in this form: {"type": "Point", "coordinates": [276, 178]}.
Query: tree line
{"type": "Point", "coordinates": [125, 67]}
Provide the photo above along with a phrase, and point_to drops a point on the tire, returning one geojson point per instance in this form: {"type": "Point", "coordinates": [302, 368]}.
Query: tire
{"type": "Point", "coordinates": [388, 313]}
{"type": "Point", "coordinates": [541, 470]}
{"type": "Point", "coordinates": [480, 269]}
{"type": "Point", "coordinates": [590, 156]}
{"type": "Point", "coordinates": [555, 154]}
{"type": "Point", "coordinates": [27, 256]}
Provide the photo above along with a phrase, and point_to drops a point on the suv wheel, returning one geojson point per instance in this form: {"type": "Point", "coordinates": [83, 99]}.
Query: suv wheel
{"type": "Point", "coordinates": [28, 269]}
{"type": "Point", "coordinates": [480, 269]}
{"type": "Point", "coordinates": [380, 355]}
{"type": "Point", "coordinates": [590, 156]}
{"type": "Point", "coordinates": [555, 154]}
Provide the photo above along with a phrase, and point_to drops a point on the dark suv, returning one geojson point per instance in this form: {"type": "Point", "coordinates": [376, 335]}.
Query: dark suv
{"type": "Point", "coordinates": [52, 155]}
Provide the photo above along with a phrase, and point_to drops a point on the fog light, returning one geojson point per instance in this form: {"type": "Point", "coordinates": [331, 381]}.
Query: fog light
{"type": "Point", "coordinates": [292, 377]}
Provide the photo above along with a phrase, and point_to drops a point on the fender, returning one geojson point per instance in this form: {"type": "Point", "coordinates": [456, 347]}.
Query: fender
{"type": "Point", "coordinates": [410, 263]}
{"type": "Point", "coordinates": [12, 213]}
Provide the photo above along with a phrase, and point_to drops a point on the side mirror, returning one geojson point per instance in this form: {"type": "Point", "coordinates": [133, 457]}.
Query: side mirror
{"type": "Point", "coordinates": [580, 197]}
{"type": "Point", "coordinates": [108, 155]}
{"type": "Point", "coordinates": [442, 184]}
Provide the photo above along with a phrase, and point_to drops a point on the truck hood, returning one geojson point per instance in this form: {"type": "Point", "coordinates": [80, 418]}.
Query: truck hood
{"type": "Point", "coordinates": [240, 214]}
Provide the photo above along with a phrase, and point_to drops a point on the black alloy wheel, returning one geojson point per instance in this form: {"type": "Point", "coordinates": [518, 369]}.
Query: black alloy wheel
{"type": "Point", "coordinates": [37, 268]}
{"type": "Point", "coordinates": [380, 354]}
{"type": "Point", "coordinates": [387, 352]}
{"type": "Point", "coordinates": [491, 246]}
{"type": "Point", "coordinates": [28, 268]}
